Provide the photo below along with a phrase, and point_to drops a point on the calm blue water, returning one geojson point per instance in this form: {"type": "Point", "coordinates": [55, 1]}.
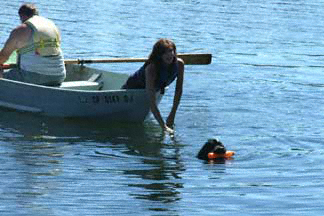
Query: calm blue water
{"type": "Point", "coordinates": [262, 97]}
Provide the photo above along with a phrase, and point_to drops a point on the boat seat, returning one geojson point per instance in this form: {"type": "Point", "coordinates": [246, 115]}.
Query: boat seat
{"type": "Point", "coordinates": [80, 85]}
{"type": "Point", "coordinates": [90, 84]}
{"type": "Point", "coordinates": [95, 77]}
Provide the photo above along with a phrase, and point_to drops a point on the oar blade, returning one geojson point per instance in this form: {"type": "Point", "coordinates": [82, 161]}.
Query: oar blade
{"type": "Point", "coordinates": [196, 59]}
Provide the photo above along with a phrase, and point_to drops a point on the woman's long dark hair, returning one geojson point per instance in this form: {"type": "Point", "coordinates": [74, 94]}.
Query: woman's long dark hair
{"type": "Point", "coordinates": [160, 47]}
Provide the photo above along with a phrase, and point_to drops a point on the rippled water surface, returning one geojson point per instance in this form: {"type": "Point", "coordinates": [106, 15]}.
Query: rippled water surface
{"type": "Point", "coordinates": [262, 97]}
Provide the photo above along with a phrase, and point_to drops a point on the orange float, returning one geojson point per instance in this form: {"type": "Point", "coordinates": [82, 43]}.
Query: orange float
{"type": "Point", "coordinates": [226, 155]}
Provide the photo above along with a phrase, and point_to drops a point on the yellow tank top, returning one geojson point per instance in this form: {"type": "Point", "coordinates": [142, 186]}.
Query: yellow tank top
{"type": "Point", "coordinates": [46, 39]}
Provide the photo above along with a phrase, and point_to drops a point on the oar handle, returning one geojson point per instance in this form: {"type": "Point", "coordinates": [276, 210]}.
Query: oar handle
{"type": "Point", "coordinates": [112, 60]}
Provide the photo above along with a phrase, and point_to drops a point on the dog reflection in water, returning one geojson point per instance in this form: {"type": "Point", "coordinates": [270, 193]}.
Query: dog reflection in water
{"type": "Point", "coordinates": [214, 151]}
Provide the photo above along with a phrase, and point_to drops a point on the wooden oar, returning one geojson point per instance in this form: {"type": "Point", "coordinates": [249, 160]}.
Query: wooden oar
{"type": "Point", "coordinates": [198, 58]}
{"type": "Point", "coordinates": [188, 58]}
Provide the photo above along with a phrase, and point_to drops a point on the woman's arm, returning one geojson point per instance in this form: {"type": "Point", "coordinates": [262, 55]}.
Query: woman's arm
{"type": "Point", "coordinates": [151, 74]}
{"type": "Point", "coordinates": [177, 94]}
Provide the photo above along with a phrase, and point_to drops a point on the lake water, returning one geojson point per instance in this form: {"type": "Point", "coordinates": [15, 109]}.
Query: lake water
{"type": "Point", "coordinates": [262, 96]}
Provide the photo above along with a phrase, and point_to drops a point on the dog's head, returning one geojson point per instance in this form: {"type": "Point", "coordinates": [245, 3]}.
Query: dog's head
{"type": "Point", "coordinates": [212, 145]}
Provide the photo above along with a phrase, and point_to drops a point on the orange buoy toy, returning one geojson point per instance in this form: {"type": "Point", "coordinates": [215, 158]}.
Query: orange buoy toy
{"type": "Point", "coordinates": [226, 155]}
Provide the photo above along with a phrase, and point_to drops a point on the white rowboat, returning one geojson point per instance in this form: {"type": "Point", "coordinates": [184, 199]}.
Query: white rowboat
{"type": "Point", "coordinates": [86, 93]}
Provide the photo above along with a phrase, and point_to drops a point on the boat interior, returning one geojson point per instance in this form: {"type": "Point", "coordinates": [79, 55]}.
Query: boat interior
{"type": "Point", "coordinates": [80, 77]}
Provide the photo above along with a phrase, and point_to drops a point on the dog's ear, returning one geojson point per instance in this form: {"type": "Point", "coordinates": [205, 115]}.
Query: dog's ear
{"type": "Point", "coordinates": [208, 147]}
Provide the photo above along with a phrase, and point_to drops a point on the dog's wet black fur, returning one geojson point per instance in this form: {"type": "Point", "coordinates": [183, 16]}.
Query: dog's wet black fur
{"type": "Point", "coordinates": [212, 145]}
